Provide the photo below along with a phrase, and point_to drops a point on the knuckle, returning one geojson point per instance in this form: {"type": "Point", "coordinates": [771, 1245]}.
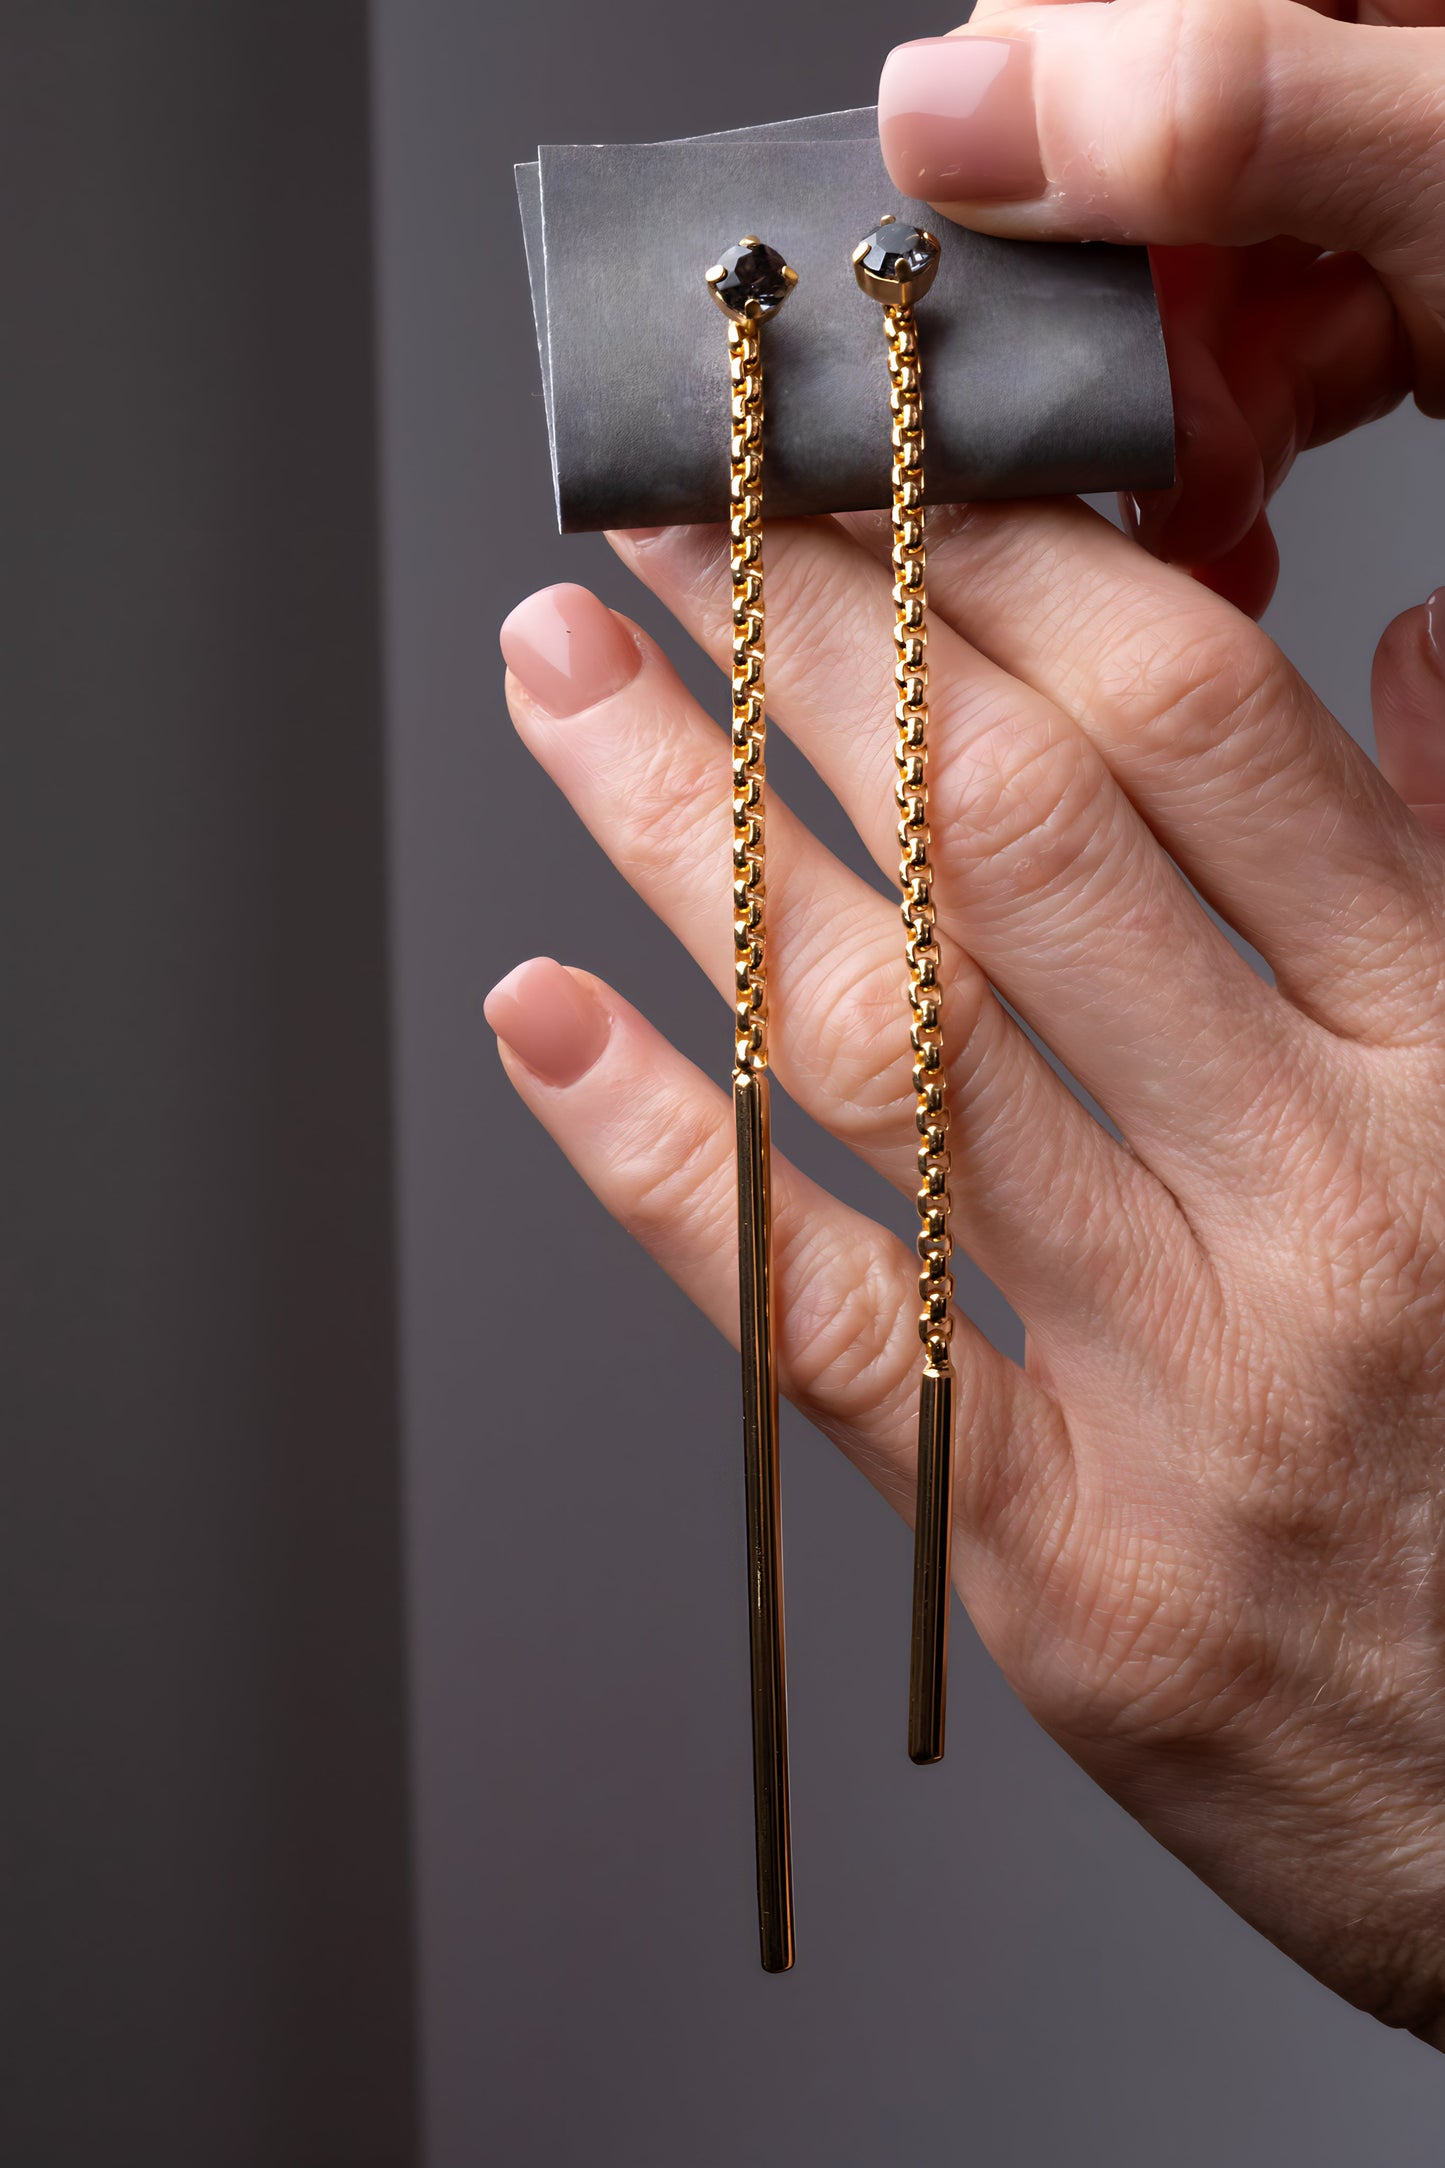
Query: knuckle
{"type": "Point", "coordinates": [1195, 685]}
{"type": "Point", "coordinates": [857, 1032]}
{"type": "Point", "coordinates": [676, 1181]}
{"type": "Point", "coordinates": [1191, 141]}
{"type": "Point", "coordinates": [1025, 804]}
{"type": "Point", "coordinates": [848, 1038]}
{"type": "Point", "coordinates": [851, 1342]}
{"type": "Point", "coordinates": [669, 802]}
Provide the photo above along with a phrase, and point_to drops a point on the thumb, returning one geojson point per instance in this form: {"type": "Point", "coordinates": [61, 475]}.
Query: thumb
{"type": "Point", "coordinates": [1408, 689]}
{"type": "Point", "coordinates": [1177, 121]}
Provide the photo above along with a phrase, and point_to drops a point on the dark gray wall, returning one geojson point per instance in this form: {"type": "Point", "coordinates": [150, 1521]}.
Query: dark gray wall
{"type": "Point", "coordinates": [994, 1965]}
{"type": "Point", "coordinates": [205, 1943]}
{"type": "Point", "coordinates": [204, 1946]}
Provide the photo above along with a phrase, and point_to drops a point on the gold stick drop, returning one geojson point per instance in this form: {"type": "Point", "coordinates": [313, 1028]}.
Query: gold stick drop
{"type": "Point", "coordinates": [932, 1568]}
{"type": "Point", "coordinates": [765, 1547]}
{"type": "Point", "coordinates": [750, 283]}
{"type": "Point", "coordinates": [896, 265]}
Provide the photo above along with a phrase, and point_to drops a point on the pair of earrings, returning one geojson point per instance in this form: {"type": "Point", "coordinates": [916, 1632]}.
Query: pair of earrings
{"type": "Point", "coordinates": [895, 265]}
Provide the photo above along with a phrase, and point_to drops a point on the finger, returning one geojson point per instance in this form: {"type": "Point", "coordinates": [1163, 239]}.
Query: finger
{"type": "Point", "coordinates": [1271, 350]}
{"type": "Point", "coordinates": [1046, 876]}
{"type": "Point", "coordinates": [1408, 690]}
{"type": "Point", "coordinates": [1247, 574]}
{"type": "Point", "coordinates": [1218, 487]}
{"type": "Point", "coordinates": [1267, 804]}
{"type": "Point", "coordinates": [1403, 11]}
{"type": "Point", "coordinates": [653, 1140]}
{"type": "Point", "coordinates": [1311, 349]}
{"type": "Point", "coordinates": [1415, 12]}
{"type": "Point", "coordinates": [1052, 1208]}
{"type": "Point", "coordinates": [1226, 121]}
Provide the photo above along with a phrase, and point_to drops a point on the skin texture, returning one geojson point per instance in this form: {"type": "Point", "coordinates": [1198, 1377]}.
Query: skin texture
{"type": "Point", "coordinates": [1243, 140]}
{"type": "Point", "coordinates": [1201, 1527]}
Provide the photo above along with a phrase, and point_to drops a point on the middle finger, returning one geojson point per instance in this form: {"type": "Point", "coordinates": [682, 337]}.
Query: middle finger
{"type": "Point", "coordinates": [1058, 1214]}
{"type": "Point", "coordinates": [1046, 874]}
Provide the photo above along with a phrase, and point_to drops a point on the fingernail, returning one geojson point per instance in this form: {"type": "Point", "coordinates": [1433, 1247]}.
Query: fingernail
{"type": "Point", "coordinates": [552, 1020]}
{"type": "Point", "coordinates": [568, 650]}
{"type": "Point", "coordinates": [1130, 513]}
{"type": "Point", "coordinates": [1435, 629]}
{"type": "Point", "coordinates": [640, 534]}
{"type": "Point", "coordinates": [956, 120]}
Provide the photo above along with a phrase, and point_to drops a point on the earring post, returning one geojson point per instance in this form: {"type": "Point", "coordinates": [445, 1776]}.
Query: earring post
{"type": "Point", "coordinates": [750, 283]}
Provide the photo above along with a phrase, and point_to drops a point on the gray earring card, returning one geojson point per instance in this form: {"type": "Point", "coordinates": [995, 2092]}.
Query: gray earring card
{"type": "Point", "coordinates": [1043, 364]}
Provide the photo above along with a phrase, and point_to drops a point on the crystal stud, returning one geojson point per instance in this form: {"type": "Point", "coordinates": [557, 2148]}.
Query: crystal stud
{"type": "Point", "coordinates": [750, 282]}
{"type": "Point", "coordinates": [895, 264]}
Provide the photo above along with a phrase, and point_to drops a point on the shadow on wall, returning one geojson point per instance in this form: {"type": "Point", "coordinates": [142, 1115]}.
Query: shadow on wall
{"type": "Point", "coordinates": [207, 1937]}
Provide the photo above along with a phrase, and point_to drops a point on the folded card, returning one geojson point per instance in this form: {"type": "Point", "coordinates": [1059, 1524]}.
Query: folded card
{"type": "Point", "coordinates": [1043, 364]}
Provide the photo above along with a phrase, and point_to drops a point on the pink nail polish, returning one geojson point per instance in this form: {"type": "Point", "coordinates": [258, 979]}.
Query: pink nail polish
{"type": "Point", "coordinates": [956, 120]}
{"type": "Point", "coordinates": [554, 1021]}
{"type": "Point", "coordinates": [568, 650]}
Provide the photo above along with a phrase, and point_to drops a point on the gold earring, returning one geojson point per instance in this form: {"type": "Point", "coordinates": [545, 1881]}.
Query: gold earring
{"type": "Point", "coordinates": [750, 283]}
{"type": "Point", "coordinates": [895, 265]}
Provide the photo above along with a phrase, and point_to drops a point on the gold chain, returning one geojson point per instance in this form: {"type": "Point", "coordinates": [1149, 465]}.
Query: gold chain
{"type": "Point", "coordinates": [745, 453]}
{"type": "Point", "coordinates": [925, 992]}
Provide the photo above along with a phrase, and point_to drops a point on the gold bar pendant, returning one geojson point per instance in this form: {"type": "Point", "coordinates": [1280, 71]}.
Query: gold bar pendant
{"type": "Point", "coordinates": [765, 1546]}
{"type": "Point", "coordinates": [932, 1567]}
{"type": "Point", "coordinates": [896, 265]}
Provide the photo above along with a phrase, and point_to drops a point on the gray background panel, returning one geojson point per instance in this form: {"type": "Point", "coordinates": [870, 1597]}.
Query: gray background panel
{"type": "Point", "coordinates": [995, 1965]}
{"type": "Point", "coordinates": [1044, 366]}
{"type": "Point", "coordinates": [245, 1781]}
{"type": "Point", "coordinates": [205, 1918]}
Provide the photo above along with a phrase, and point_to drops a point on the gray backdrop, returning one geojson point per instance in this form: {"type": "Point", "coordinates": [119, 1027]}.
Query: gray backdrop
{"type": "Point", "coordinates": [353, 1646]}
{"type": "Point", "coordinates": [204, 1947]}
{"type": "Point", "coordinates": [995, 1965]}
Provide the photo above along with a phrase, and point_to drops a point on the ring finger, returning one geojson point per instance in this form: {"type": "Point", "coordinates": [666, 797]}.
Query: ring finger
{"type": "Point", "coordinates": [1045, 1201]}
{"type": "Point", "coordinates": [1269, 806]}
{"type": "Point", "coordinates": [1047, 876]}
{"type": "Point", "coordinates": [653, 1140]}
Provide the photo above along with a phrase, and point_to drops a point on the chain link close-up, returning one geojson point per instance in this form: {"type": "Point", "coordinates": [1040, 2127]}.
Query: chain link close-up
{"type": "Point", "coordinates": [925, 992]}
{"type": "Point", "coordinates": [745, 459]}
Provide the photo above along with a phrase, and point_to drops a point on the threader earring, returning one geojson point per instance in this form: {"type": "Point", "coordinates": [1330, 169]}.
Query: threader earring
{"type": "Point", "coordinates": [750, 283]}
{"type": "Point", "coordinates": [895, 265]}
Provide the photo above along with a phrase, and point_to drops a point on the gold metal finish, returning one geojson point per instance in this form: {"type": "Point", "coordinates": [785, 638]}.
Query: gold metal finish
{"type": "Point", "coordinates": [892, 291]}
{"type": "Point", "coordinates": [932, 1560]}
{"type": "Point", "coordinates": [928, 1668]}
{"type": "Point", "coordinates": [745, 531]}
{"type": "Point", "coordinates": [765, 1549]}
{"type": "Point", "coordinates": [751, 1111]}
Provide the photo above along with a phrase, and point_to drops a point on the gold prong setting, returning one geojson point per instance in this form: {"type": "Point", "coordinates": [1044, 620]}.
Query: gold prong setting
{"type": "Point", "coordinates": [896, 264]}
{"type": "Point", "coordinates": [750, 281]}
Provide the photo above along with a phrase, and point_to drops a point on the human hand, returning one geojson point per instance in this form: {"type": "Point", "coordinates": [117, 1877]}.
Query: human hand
{"type": "Point", "coordinates": [1210, 129]}
{"type": "Point", "coordinates": [1201, 1528]}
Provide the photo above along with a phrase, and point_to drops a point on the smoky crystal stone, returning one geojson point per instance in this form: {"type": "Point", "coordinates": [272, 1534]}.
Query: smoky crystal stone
{"type": "Point", "coordinates": [898, 255]}
{"type": "Point", "coordinates": [754, 282]}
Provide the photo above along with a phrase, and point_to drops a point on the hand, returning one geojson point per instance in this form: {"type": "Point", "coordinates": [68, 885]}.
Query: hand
{"type": "Point", "coordinates": [1211, 128]}
{"type": "Point", "coordinates": [1202, 1528]}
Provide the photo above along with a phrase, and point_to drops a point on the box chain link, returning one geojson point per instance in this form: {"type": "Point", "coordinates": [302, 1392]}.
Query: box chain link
{"type": "Point", "coordinates": [925, 993]}
{"type": "Point", "coordinates": [745, 461]}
